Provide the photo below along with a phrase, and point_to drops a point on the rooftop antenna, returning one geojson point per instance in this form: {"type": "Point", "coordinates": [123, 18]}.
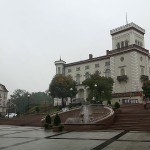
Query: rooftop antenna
{"type": "Point", "coordinates": [126, 18]}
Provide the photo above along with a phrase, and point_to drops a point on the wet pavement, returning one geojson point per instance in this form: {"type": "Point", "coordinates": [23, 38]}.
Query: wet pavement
{"type": "Point", "coordinates": [36, 138]}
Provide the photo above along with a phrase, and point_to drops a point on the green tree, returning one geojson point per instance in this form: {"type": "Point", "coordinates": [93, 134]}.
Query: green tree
{"type": "Point", "coordinates": [146, 88]}
{"type": "Point", "coordinates": [60, 87]}
{"type": "Point", "coordinates": [57, 120]}
{"type": "Point", "coordinates": [37, 98]}
{"type": "Point", "coordinates": [48, 119]}
{"type": "Point", "coordinates": [146, 91]}
{"type": "Point", "coordinates": [20, 99]}
{"type": "Point", "coordinates": [100, 87]}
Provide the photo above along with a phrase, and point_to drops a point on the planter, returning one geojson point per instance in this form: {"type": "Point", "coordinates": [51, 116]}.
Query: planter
{"type": "Point", "coordinates": [144, 78]}
{"type": "Point", "coordinates": [58, 128]}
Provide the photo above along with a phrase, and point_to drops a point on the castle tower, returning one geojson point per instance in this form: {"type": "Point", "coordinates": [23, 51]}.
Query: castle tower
{"type": "Point", "coordinates": [60, 66]}
{"type": "Point", "coordinates": [128, 34]}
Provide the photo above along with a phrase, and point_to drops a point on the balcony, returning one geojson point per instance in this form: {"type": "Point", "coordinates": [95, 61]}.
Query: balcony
{"type": "Point", "coordinates": [122, 78]}
{"type": "Point", "coordinates": [144, 78]}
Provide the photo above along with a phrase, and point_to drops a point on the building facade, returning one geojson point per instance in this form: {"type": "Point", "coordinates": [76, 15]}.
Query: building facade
{"type": "Point", "coordinates": [3, 99]}
{"type": "Point", "coordinates": [128, 63]}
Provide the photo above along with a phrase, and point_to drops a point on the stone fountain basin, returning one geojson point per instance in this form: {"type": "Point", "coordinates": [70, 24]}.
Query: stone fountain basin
{"type": "Point", "coordinates": [100, 117]}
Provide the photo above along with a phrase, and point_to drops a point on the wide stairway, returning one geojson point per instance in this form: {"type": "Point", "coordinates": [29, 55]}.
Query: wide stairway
{"type": "Point", "coordinates": [132, 117]}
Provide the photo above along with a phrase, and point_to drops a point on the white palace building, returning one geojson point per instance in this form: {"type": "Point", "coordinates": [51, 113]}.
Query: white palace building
{"type": "Point", "coordinates": [128, 63]}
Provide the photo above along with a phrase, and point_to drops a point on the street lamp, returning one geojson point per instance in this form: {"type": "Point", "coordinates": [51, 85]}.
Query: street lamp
{"type": "Point", "coordinates": [8, 107]}
{"type": "Point", "coordinates": [95, 86]}
{"type": "Point", "coordinates": [71, 89]}
{"type": "Point", "coordinates": [28, 102]}
{"type": "Point", "coordinates": [102, 92]}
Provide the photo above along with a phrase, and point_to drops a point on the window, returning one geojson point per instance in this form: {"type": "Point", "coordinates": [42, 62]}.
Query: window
{"type": "Point", "coordinates": [122, 58]}
{"type": "Point", "coordinates": [78, 69]}
{"type": "Point", "coordinates": [122, 71]}
{"type": "Point", "coordinates": [87, 75]}
{"type": "Point", "coordinates": [107, 63]}
{"type": "Point", "coordinates": [122, 44]}
{"type": "Point", "coordinates": [59, 70]}
{"type": "Point", "coordinates": [142, 70]}
{"type": "Point", "coordinates": [96, 65]}
{"type": "Point", "coordinates": [78, 78]}
{"type": "Point", "coordinates": [136, 42]}
{"type": "Point", "coordinates": [141, 44]}
{"type": "Point", "coordinates": [107, 73]}
{"type": "Point", "coordinates": [97, 72]}
{"type": "Point", "coordinates": [86, 67]}
{"type": "Point", "coordinates": [118, 45]}
{"type": "Point", "coordinates": [126, 43]}
{"type": "Point", "coordinates": [69, 70]}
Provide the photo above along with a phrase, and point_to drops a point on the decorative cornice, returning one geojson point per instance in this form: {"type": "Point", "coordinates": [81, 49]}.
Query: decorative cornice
{"type": "Point", "coordinates": [111, 53]}
{"type": "Point", "coordinates": [127, 49]}
{"type": "Point", "coordinates": [4, 88]}
{"type": "Point", "coordinates": [127, 27]}
{"type": "Point", "coordinates": [87, 61]}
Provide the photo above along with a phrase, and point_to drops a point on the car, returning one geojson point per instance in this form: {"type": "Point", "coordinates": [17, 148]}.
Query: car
{"type": "Point", "coordinates": [11, 115]}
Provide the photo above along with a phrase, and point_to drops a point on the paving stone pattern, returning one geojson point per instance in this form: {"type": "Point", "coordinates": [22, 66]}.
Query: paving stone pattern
{"type": "Point", "coordinates": [36, 138]}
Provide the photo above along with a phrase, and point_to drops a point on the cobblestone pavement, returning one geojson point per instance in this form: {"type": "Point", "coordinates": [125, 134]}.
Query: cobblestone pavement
{"type": "Point", "coordinates": [36, 138]}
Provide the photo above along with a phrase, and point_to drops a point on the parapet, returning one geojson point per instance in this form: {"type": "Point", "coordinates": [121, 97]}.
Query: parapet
{"type": "Point", "coordinates": [127, 26]}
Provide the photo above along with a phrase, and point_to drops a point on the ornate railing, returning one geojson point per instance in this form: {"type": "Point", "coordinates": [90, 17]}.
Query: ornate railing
{"type": "Point", "coordinates": [122, 78]}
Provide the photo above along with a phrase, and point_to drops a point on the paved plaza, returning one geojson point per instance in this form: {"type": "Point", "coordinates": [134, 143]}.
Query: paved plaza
{"type": "Point", "coordinates": [36, 138]}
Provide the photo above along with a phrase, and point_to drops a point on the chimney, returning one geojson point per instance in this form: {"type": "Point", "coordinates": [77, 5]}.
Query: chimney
{"type": "Point", "coordinates": [107, 52]}
{"type": "Point", "coordinates": [90, 56]}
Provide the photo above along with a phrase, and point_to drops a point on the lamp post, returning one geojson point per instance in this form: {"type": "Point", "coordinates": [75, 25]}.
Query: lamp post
{"type": "Point", "coordinates": [95, 90]}
{"type": "Point", "coordinates": [71, 89]}
{"type": "Point", "coordinates": [8, 107]}
{"type": "Point", "coordinates": [102, 92]}
{"type": "Point", "coordinates": [49, 94]}
{"type": "Point", "coordinates": [28, 102]}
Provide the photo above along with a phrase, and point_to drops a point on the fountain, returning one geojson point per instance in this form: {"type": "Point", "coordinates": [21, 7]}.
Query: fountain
{"type": "Point", "coordinates": [85, 114]}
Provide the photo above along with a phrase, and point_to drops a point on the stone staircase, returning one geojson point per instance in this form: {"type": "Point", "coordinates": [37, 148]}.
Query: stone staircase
{"type": "Point", "coordinates": [132, 117]}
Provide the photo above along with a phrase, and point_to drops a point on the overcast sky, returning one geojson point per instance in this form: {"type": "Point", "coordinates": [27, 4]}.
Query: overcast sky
{"type": "Point", "coordinates": [35, 33]}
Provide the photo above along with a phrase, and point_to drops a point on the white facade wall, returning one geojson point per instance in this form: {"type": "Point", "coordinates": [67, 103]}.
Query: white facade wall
{"type": "Point", "coordinates": [132, 60]}
{"type": "Point", "coordinates": [3, 99]}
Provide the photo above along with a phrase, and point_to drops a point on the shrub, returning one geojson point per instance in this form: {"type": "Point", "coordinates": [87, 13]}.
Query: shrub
{"type": "Point", "coordinates": [117, 105]}
{"type": "Point", "coordinates": [108, 102]}
{"type": "Point", "coordinates": [18, 113]}
{"type": "Point", "coordinates": [47, 126]}
{"type": "Point", "coordinates": [48, 119]}
{"type": "Point", "coordinates": [37, 109]}
{"type": "Point", "coordinates": [57, 120]}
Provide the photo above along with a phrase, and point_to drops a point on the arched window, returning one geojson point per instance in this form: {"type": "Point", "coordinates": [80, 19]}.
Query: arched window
{"type": "Point", "coordinates": [59, 70]}
{"type": "Point", "coordinates": [107, 73]}
{"type": "Point", "coordinates": [126, 43]}
{"type": "Point", "coordinates": [87, 75]}
{"type": "Point", "coordinates": [78, 78]}
{"type": "Point", "coordinates": [118, 45]}
{"type": "Point", "coordinates": [122, 72]}
{"type": "Point", "coordinates": [122, 44]}
{"type": "Point", "coordinates": [142, 70]}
